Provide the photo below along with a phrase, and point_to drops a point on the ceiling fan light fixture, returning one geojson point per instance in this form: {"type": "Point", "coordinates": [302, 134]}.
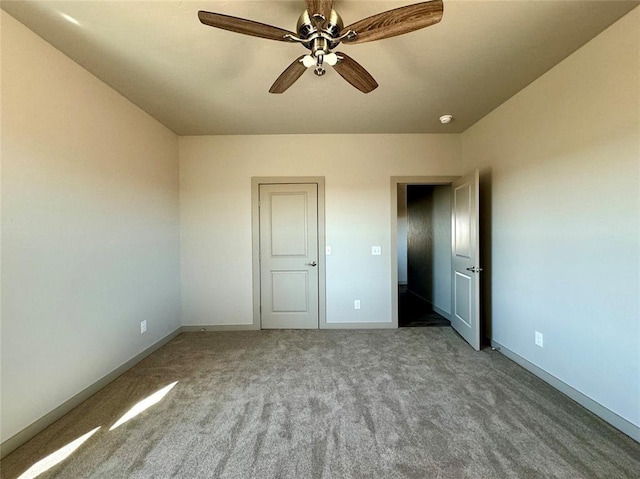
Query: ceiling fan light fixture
{"type": "Point", "coordinates": [320, 29]}
{"type": "Point", "coordinates": [444, 119]}
{"type": "Point", "coordinates": [331, 58]}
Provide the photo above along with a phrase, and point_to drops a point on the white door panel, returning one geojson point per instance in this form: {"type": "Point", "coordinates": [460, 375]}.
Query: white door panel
{"type": "Point", "coordinates": [462, 300]}
{"type": "Point", "coordinates": [288, 224]}
{"type": "Point", "coordinates": [465, 258]}
{"type": "Point", "coordinates": [289, 256]}
{"type": "Point", "coordinates": [462, 207]}
{"type": "Point", "coordinates": [290, 291]}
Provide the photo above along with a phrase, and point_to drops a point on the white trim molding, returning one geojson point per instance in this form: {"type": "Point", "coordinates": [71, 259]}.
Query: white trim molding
{"type": "Point", "coordinates": [204, 328]}
{"type": "Point", "coordinates": [596, 408]}
{"type": "Point", "coordinates": [47, 420]}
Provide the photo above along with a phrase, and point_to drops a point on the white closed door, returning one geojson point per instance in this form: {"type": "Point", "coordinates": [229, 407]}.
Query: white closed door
{"type": "Point", "coordinates": [289, 256]}
{"type": "Point", "coordinates": [465, 249]}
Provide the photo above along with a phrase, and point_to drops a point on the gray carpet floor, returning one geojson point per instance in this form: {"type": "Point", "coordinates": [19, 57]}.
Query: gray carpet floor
{"type": "Point", "coordinates": [408, 403]}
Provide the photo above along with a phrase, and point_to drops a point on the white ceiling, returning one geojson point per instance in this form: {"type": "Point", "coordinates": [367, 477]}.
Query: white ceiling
{"type": "Point", "coordinates": [199, 80]}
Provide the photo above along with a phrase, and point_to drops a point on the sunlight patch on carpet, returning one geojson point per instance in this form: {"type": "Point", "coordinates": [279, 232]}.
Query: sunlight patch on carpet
{"type": "Point", "coordinates": [57, 457]}
{"type": "Point", "coordinates": [143, 405]}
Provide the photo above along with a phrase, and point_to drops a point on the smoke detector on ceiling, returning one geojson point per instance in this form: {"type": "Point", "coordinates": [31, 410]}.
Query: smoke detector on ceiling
{"type": "Point", "coordinates": [444, 119]}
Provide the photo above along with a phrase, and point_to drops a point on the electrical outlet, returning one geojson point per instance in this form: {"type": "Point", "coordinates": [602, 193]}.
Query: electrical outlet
{"type": "Point", "coordinates": [539, 339]}
{"type": "Point", "coordinates": [376, 250]}
{"type": "Point", "coordinates": [143, 326]}
{"type": "Point", "coordinates": [328, 249]}
{"type": "Point", "coordinates": [356, 304]}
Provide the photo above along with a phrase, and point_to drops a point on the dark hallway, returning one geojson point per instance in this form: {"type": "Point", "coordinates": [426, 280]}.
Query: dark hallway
{"type": "Point", "coordinates": [413, 311]}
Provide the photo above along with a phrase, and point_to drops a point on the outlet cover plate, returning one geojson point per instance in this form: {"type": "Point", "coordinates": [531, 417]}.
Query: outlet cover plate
{"type": "Point", "coordinates": [539, 338]}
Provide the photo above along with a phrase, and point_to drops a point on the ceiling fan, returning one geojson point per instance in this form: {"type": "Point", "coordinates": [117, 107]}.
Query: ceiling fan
{"type": "Point", "coordinates": [320, 30]}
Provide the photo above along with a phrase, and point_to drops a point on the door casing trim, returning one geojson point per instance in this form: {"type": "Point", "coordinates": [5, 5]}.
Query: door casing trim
{"type": "Point", "coordinates": [256, 181]}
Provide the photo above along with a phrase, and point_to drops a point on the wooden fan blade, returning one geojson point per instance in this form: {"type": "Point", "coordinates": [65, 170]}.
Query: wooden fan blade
{"type": "Point", "coordinates": [289, 76]}
{"type": "Point", "coordinates": [241, 25]}
{"type": "Point", "coordinates": [320, 7]}
{"type": "Point", "coordinates": [396, 22]}
{"type": "Point", "coordinates": [354, 73]}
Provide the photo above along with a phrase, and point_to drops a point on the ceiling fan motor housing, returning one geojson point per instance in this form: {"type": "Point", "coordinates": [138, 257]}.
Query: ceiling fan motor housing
{"type": "Point", "coordinates": [308, 31]}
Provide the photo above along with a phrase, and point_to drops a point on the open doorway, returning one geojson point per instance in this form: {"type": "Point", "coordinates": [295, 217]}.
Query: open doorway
{"type": "Point", "coordinates": [464, 272]}
{"type": "Point", "coordinates": [400, 278]}
{"type": "Point", "coordinates": [424, 254]}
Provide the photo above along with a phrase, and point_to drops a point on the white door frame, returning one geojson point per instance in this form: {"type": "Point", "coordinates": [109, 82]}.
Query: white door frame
{"type": "Point", "coordinates": [256, 181]}
{"type": "Point", "coordinates": [395, 181]}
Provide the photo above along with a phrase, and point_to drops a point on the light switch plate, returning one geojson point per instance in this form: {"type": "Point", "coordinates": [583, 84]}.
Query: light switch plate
{"type": "Point", "coordinates": [376, 250]}
{"type": "Point", "coordinates": [328, 250]}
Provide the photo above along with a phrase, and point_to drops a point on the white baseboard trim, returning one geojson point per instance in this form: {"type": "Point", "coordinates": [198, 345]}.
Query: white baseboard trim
{"type": "Point", "coordinates": [29, 432]}
{"type": "Point", "coordinates": [441, 312]}
{"type": "Point", "coordinates": [219, 327]}
{"type": "Point", "coordinates": [358, 326]}
{"type": "Point", "coordinates": [596, 408]}
{"type": "Point", "coordinates": [251, 327]}
{"type": "Point", "coordinates": [45, 421]}
{"type": "Point", "coordinates": [438, 310]}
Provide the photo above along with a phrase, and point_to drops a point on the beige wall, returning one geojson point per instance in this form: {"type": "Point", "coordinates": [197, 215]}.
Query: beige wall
{"type": "Point", "coordinates": [90, 242]}
{"type": "Point", "coordinates": [442, 248]}
{"type": "Point", "coordinates": [90, 221]}
{"type": "Point", "coordinates": [560, 171]}
{"type": "Point", "coordinates": [215, 211]}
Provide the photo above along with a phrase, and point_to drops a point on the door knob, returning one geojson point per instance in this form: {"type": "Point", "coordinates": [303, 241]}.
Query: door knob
{"type": "Point", "coordinates": [313, 263]}
{"type": "Point", "coordinates": [473, 269]}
